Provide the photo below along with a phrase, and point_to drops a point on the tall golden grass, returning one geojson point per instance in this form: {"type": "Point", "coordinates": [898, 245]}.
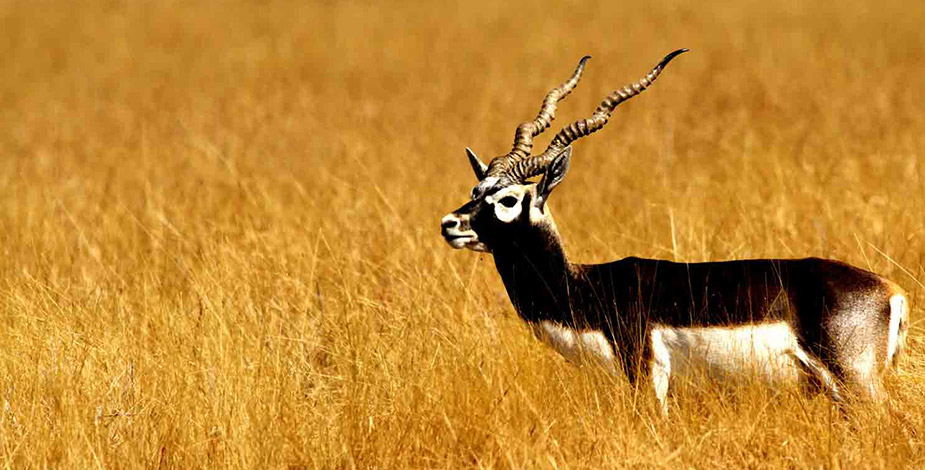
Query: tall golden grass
{"type": "Point", "coordinates": [220, 243]}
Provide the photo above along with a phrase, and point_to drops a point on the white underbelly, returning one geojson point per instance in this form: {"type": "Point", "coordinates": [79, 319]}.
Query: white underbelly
{"type": "Point", "coordinates": [577, 345]}
{"type": "Point", "coordinates": [767, 351]}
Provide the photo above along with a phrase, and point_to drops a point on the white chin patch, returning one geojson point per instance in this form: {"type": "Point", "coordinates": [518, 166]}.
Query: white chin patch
{"type": "Point", "coordinates": [477, 246]}
{"type": "Point", "coordinates": [471, 243]}
{"type": "Point", "coordinates": [458, 243]}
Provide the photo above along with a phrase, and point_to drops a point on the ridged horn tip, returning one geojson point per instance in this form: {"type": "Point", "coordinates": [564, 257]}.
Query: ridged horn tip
{"type": "Point", "coordinates": [674, 54]}
{"type": "Point", "coordinates": [582, 62]}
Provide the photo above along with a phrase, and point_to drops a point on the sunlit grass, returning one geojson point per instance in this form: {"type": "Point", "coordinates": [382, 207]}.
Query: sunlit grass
{"type": "Point", "coordinates": [220, 243]}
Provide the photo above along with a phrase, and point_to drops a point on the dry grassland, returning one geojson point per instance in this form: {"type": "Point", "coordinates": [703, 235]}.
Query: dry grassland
{"type": "Point", "coordinates": [220, 243]}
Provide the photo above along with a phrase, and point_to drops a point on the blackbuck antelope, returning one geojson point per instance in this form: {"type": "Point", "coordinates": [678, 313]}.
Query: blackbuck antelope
{"type": "Point", "coordinates": [802, 321]}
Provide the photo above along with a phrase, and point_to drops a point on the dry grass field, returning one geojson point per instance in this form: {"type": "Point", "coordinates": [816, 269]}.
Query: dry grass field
{"type": "Point", "coordinates": [220, 241]}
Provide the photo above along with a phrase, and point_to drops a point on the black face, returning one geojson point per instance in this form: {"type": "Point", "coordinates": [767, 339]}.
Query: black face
{"type": "Point", "coordinates": [499, 213]}
{"type": "Point", "coordinates": [489, 218]}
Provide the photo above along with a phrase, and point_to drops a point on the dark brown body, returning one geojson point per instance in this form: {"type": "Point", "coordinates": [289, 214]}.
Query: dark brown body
{"type": "Point", "coordinates": [624, 299]}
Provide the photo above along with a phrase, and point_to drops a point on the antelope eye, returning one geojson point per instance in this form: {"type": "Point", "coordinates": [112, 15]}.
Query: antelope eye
{"type": "Point", "coordinates": [508, 201]}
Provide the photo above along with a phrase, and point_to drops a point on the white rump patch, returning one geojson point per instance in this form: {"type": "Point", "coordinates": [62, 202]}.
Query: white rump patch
{"type": "Point", "coordinates": [767, 351]}
{"type": "Point", "coordinates": [899, 313]}
{"type": "Point", "coordinates": [575, 345]}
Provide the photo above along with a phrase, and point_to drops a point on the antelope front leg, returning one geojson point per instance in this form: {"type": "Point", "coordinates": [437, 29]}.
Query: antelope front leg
{"type": "Point", "coordinates": [660, 369]}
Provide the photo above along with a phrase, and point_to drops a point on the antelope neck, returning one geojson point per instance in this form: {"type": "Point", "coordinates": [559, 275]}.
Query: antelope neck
{"type": "Point", "coordinates": [537, 275]}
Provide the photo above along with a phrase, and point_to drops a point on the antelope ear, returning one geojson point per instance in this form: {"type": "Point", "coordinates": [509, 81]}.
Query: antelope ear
{"type": "Point", "coordinates": [477, 166]}
{"type": "Point", "coordinates": [553, 176]}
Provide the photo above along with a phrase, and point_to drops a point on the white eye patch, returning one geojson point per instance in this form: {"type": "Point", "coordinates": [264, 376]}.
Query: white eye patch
{"type": "Point", "coordinates": [506, 203]}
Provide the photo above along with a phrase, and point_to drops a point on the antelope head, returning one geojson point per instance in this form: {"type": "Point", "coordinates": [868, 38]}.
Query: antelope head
{"type": "Point", "coordinates": [505, 202]}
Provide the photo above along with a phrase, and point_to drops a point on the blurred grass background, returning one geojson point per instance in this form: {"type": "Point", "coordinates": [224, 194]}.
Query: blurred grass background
{"type": "Point", "coordinates": [220, 243]}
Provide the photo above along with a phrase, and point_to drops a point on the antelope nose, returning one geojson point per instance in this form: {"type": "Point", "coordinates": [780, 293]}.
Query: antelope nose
{"type": "Point", "coordinates": [449, 222]}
